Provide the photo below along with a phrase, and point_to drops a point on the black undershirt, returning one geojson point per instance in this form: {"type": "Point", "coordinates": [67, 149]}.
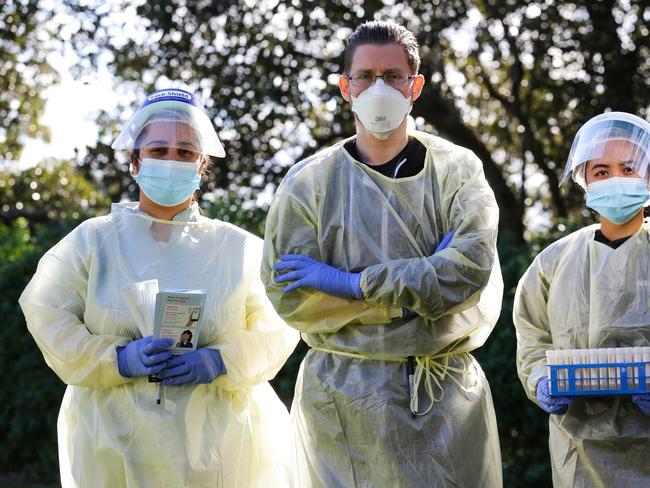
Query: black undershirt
{"type": "Point", "coordinates": [408, 162]}
{"type": "Point", "coordinates": [600, 237]}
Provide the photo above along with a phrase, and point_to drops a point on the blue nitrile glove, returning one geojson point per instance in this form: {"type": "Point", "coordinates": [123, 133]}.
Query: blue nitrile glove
{"type": "Point", "coordinates": [446, 239]}
{"type": "Point", "coordinates": [307, 272]}
{"type": "Point", "coordinates": [555, 405]}
{"type": "Point", "coordinates": [143, 357]}
{"type": "Point", "coordinates": [409, 314]}
{"type": "Point", "coordinates": [200, 366]}
{"type": "Point", "coordinates": [642, 400]}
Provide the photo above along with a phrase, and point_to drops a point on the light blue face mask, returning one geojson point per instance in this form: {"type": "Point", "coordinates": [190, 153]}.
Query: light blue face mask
{"type": "Point", "coordinates": [168, 183]}
{"type": "Point", "coordinates": [618, 199]}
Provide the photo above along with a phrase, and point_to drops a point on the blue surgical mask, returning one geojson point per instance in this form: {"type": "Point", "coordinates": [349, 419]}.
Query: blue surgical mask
{"type": "Point", "coordinates": [619, 198]}
{"type": "Point", "coordinates": [168, 183]}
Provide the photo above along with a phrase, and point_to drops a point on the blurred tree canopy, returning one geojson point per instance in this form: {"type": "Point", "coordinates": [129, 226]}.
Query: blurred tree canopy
{"type": "Point", "coordinates": [24, 74]}
{"type": "Point", "coordinates": [49, 193]}
{"type": "Point", "coordinates": [510, 79]}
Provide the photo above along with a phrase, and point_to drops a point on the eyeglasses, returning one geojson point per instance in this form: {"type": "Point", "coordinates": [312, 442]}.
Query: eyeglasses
{"type": "Point", "coordinates": [364, 80]}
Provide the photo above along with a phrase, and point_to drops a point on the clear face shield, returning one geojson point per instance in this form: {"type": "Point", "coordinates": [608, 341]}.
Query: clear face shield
{"type": "Point", "coordinates": [170, 125]}
{"type": "Point", "coordinates": [611, 137]}
{"type": "Point", "coordinates": [169, 137]}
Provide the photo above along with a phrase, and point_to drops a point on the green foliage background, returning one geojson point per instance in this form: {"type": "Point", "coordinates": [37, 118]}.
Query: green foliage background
{"type": "Point", "coordinates": [31, 392]}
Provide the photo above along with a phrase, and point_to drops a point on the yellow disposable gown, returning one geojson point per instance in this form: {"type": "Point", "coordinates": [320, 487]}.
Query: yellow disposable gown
{"type": "Point", "coordinates": [579, 293]}
{"type": "Point", "coordinates": [111, 431]}
{"type": "Point", "coordinates": [351, 417]}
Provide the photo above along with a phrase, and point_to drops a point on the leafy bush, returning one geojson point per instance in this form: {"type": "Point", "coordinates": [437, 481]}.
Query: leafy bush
{"type": "Point", "coordinates": [32, 391]}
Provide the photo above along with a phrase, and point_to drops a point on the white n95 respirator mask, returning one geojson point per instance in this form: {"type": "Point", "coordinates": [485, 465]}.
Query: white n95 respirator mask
{"type": "Point", "coordinates": [381, 109]}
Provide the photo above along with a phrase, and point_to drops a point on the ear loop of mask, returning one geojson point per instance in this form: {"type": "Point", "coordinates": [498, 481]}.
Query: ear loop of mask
{"type": "Point", "coordinates": [132, 171]}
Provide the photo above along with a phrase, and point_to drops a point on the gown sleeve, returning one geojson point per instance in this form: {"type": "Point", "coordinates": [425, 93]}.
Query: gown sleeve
{"type": "Point", "coordinates": [54, 303]}
{"type": "Point", "coordinates": [450, 280]}
{"type": "Point", "coordinates": [255, 353]}
{"type": "Point", "coordinates": [531, 322]}
{"type": "Point", "coordinates": [308, 310]}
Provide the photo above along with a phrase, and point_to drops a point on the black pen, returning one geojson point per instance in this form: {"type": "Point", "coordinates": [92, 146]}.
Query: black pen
{"type": "Point", "coordinates": [410, 372]}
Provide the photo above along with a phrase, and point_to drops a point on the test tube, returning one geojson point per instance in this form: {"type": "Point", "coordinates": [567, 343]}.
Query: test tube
{"type": "Point", "coordinates": [611, 369]}
{"type": "Point", "coordinates": [620, 358]}
{"type": "Point", "coordinates": [631, 373]}
{"type": "Point", "coordinates": [559, 360]}
{"type": "Point", "coordinates": [567, 359]}
{"type": "Point", "coordinates": [550, 357]}
{"type": "Point", "coordinates": [603, 373]}
{"type": "Point", "coordinates": [561, 371]}
{"type": "Point", "coordinates": [646, 360]}
{"type": "Point", "coordinates": [576, 359]}
{"type": "Point", "coordinates": [638, 358]}
{"type": "Point", "coordinates": [593, 372]}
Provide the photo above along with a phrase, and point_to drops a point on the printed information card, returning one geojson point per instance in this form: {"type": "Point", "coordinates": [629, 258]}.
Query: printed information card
{"type": "Point", "coordinates": [178, 316]}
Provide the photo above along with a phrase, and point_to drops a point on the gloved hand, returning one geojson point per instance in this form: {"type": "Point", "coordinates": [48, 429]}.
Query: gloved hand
{"type": "Point", "coordinates": [554, 405]}
{"type": "Point", "coordinates": [642, 400]}
{"type": "Point", "coordinates": [307, 272]}
{"type": "Point", "coordinates": [143, 357]}
{"type": "Point", "coordinates": [200, 366]}
{"type": "Point", "coordinates": [409, 314]}
{"type": "Point", "coordinates": [445, 241]}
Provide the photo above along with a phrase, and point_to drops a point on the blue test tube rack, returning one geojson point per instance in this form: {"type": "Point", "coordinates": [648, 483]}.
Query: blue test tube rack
{"type": "Point", "coordinates": [625, 377]}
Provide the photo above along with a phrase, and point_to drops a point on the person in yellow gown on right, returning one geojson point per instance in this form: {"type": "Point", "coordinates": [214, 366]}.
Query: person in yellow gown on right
{"type": "Point", "coordinates": [591, 289]}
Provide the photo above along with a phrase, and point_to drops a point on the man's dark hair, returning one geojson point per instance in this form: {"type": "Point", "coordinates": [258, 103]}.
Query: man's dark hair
{"type": "Point", "coordinates": [383, 32]}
